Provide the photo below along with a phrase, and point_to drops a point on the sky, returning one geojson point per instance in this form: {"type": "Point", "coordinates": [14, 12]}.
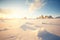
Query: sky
{"type": "Point", "coordinates": [31, 8]}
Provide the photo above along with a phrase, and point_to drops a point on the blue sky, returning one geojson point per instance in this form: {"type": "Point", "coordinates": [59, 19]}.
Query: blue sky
{"type": "Point", "coordinates": [52, 7]}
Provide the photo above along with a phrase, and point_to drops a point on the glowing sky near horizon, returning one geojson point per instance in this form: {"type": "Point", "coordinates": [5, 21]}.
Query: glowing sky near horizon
{"type": "Point", "coordinates": [25, 7]}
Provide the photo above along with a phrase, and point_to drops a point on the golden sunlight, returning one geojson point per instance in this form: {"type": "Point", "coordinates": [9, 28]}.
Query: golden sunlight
{"type": "Point", "coordinates": [14, 13]}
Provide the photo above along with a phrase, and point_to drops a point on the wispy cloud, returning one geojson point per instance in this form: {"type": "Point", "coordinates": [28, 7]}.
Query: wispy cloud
{"type": "Point", "coordinates": [5, 11]}
{"type": "Point", "coordinates": [35, 5]}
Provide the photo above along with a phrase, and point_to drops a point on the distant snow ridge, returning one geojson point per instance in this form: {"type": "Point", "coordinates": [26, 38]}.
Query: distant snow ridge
{"type": "Point", "coordinates": [52, 24]}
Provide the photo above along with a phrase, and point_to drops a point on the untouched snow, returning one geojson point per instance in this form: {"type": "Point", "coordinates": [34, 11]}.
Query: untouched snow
{"type": "Point", "coordinates": [28, 29]}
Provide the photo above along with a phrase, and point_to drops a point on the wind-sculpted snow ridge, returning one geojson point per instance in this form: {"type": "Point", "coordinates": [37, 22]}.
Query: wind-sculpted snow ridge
{"type": "Point", "coordinates": [29, 26]}
{"type": "Point", "coordinates": [9, 37]}
{"type": "Point", "coordinates": [3, 29]}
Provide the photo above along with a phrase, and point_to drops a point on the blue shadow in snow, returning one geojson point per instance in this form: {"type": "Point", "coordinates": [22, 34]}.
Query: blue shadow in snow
{"type": "Point", "coordinates": [27, 27]}
{"type": "Point", "coordinates": [47, 36]}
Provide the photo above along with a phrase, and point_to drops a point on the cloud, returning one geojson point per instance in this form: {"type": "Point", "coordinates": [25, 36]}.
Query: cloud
{"type": "Point", "coordinates": [9, 10]}
{"type": "Point", "coordinates": [35, 5]}
{"type": "Point", "coordinates": [32, 6]}
{"type": "Point", "coordinates": [5, 11]}
{"type": "Point", "coordinates": [11, 13]}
